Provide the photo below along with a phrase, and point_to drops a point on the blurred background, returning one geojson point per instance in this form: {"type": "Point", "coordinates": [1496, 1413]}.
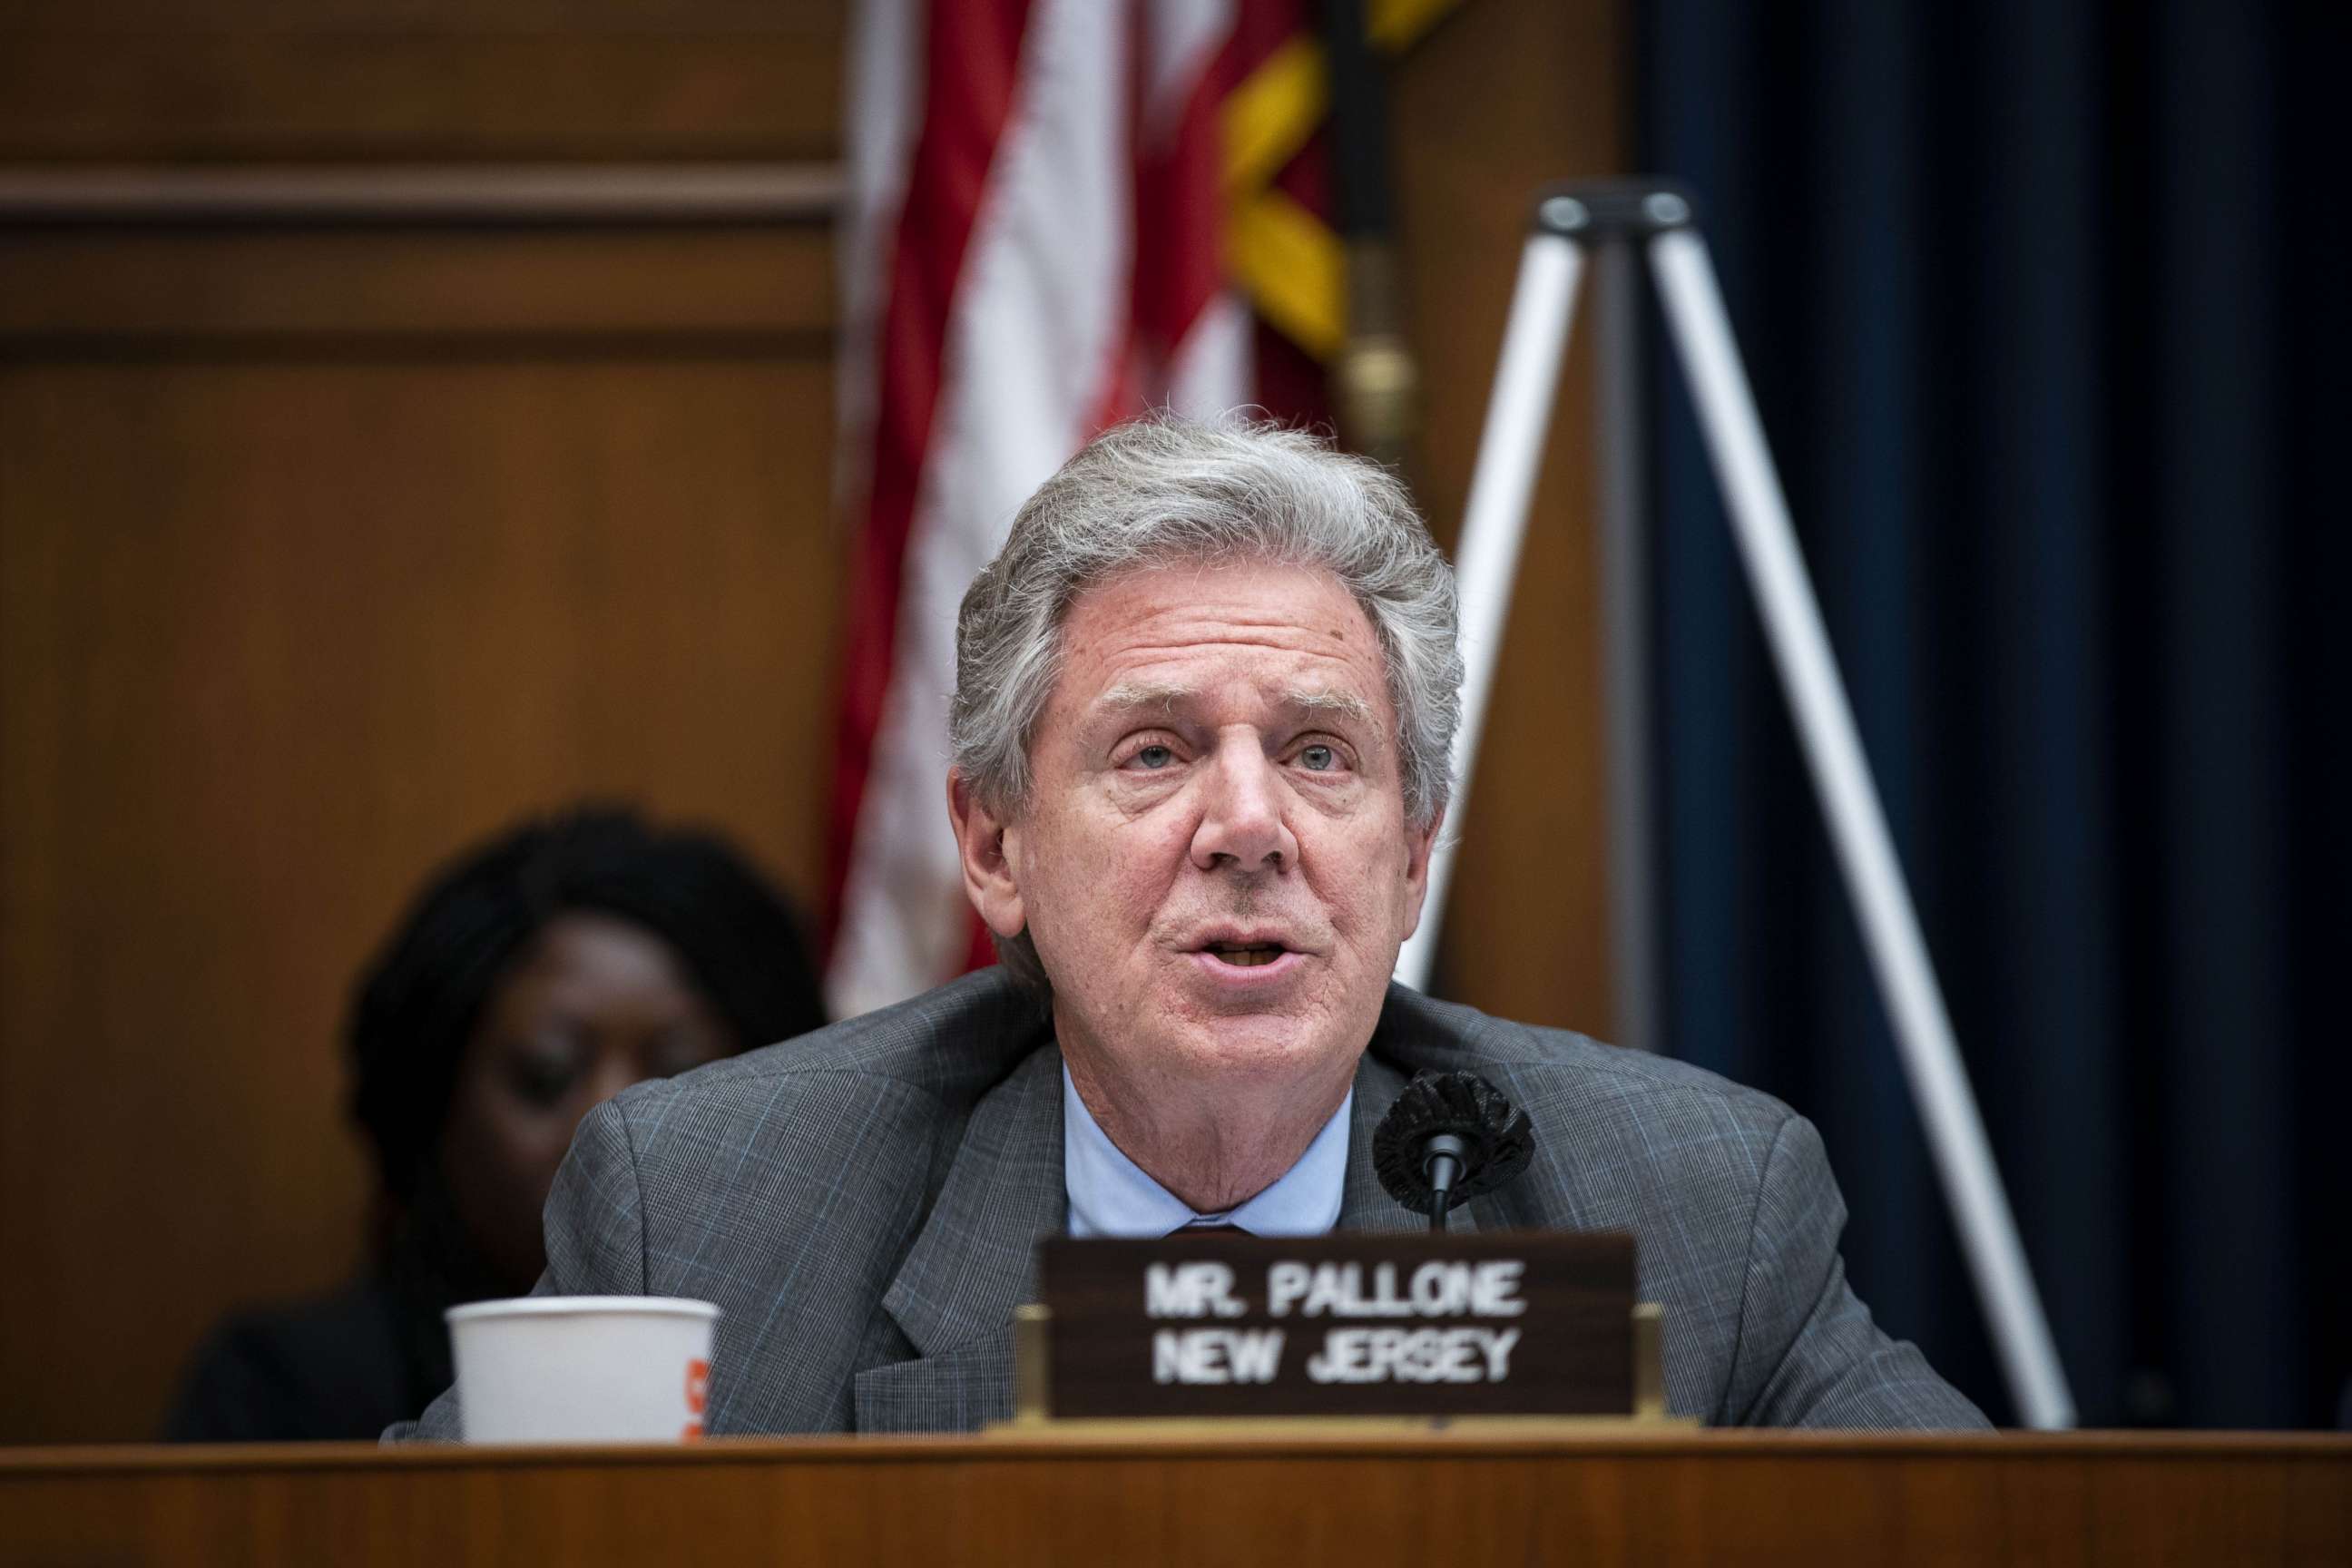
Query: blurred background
{"type": "Point", "coordinates": [415, 414]}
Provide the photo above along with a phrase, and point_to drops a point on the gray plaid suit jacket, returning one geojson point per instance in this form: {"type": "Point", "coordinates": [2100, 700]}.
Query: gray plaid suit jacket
{"type": "Point", "coordinates": [865, 1204]}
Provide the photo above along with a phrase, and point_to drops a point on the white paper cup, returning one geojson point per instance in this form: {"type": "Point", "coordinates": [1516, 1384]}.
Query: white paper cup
{"type": "Point", "coordinates": [583, 1369]}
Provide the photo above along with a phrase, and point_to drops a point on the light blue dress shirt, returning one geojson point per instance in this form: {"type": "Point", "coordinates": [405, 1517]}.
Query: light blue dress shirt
{"type": "Point", "coordinates": [1111, 1196]}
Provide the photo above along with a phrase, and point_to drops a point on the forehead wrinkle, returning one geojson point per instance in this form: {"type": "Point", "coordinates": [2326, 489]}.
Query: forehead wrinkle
{"type": "Point", "coordinates": [1129, 695]}
{"type": "Point", "coordinates": [1137, 642]}
{"type": "Point", "coordinates": [1325, 663]}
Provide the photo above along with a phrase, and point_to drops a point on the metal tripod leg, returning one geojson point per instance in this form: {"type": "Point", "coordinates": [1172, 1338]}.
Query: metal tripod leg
{"type": "Point", "coordinates": [1494, 525]}
{"type": "Point", "coordinates": [1493, 530]}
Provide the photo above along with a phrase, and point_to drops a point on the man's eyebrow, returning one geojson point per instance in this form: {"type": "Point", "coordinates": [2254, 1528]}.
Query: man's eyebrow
{"type": "Point", "coordinates": [1129, 696]}
{"type": "Point", "coordinates": [1324, 701]}
{"type": "Point", "coordinates": [1163, 698]}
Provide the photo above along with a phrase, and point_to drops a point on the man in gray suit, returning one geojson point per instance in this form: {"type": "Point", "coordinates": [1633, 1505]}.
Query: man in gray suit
{"type": "Point", "coordinates": [1205, 697]}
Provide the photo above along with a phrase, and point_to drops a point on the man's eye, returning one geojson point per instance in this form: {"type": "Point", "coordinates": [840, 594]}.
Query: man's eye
{"type": "Point", "coordinates": [1155, 757]}
{"type": "Point", "coordinates": [1320, 759]}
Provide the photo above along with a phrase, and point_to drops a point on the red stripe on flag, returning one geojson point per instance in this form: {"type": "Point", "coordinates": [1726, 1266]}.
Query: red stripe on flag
{"type": "Point", "coordinates": [1262, 27]}
{"type": "Point", "coordinates": [1180, 213]}
{"type": "Point", "coordinates": [971, 66]}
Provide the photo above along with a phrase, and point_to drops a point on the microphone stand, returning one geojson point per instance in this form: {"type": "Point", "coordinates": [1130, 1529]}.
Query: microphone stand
{"type": "Point", "coordinates": [1655, 219]}
{"type": "Point", "coordinates": [1442, 1160]}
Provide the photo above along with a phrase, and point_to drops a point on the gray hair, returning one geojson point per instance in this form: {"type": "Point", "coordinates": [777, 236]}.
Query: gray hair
{"type": "Point", "coordinates": [1166, 490]}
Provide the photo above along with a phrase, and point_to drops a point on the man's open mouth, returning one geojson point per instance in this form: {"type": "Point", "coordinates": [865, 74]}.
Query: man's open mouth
{"type": "Point", "coordinates": [1248, 956]}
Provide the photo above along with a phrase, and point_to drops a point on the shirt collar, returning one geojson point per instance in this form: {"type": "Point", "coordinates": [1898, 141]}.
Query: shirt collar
{"type": "Point", "coordinates": [1110, 1194]}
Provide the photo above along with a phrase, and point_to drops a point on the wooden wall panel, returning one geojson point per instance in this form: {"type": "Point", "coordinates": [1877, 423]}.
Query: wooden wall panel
{"type": "Point", "coordinates": [324, 550]}
{"type": "Point", "coordinates": [275, 635]}
{"type": "Point", "coordinates": [270, 80]}
{"type": "Point", "coordinates": [89, 290]}
{"type": "Point", "coordinates": [1504, 95]}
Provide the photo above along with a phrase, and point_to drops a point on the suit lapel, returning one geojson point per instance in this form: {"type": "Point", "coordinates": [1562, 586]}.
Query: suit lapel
{"type": "Point", "coordinates": [1363, 1204]}
{"type": "Point", "coordinates": [974, 1262]}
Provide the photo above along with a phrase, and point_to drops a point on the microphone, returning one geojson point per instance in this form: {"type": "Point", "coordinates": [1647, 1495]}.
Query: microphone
{"type": "Point", "coordinates": [1448, 1138]}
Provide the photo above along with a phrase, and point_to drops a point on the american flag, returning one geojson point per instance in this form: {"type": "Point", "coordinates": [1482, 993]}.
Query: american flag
{"type": "Point", "coordinates": [1062, 212]}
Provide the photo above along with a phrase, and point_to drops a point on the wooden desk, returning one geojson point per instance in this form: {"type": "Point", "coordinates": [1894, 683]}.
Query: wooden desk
{"type": "Point", "coordinates": [1599, 1497]}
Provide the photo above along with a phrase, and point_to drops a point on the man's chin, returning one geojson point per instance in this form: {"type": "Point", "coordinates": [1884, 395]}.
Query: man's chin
{"type": "Point", "coordinates": [1249, 1049]}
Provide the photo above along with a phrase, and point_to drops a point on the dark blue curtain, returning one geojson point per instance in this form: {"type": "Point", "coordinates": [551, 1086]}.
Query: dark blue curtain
{"type": "Point", "coordinates": [2045, 305]}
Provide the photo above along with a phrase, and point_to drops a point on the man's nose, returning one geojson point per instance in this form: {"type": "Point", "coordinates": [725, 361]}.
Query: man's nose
{"type": "Point", "coordinates": [1241, 821]}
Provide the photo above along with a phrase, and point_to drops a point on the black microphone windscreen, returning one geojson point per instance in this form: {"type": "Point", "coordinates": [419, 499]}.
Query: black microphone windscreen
{"type": "Point", "coordinates": [1498, 1138]}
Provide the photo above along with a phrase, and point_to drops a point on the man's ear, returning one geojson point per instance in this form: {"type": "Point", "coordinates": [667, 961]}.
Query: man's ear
{"type": "Point", "coordinates": [1418, 845]}
{"type": "Point", "coordinates": [988, 876]}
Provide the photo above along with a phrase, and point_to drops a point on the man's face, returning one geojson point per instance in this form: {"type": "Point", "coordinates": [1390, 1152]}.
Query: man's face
{"type": "Point", "coordinates": [1213, 861]}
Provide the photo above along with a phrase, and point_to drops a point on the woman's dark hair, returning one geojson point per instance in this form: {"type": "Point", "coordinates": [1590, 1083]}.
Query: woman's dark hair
{"type": "Point", "coordinates": [416, 1004]}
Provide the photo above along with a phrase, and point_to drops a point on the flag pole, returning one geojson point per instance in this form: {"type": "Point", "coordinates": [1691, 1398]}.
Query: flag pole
{"type": "Point", "coordinates": [1376, 379]}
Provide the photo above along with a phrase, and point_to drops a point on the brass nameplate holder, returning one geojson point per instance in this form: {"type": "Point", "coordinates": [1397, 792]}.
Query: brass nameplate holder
{"type": "Point", "coordinates": [1509, 1324]}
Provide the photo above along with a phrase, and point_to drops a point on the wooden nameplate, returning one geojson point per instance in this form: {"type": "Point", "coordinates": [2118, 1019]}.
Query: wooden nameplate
{"type": "Point", "coordinates": [1203, 1329]}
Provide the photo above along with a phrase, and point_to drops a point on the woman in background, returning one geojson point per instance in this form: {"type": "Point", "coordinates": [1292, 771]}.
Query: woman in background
{"type": "Point", "coordinates": [532, 979]}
